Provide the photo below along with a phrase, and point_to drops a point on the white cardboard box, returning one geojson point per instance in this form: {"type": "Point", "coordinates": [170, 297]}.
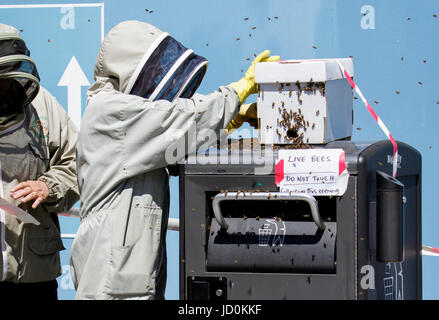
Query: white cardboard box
{"type": "Point", "coordinates": [304, 101]}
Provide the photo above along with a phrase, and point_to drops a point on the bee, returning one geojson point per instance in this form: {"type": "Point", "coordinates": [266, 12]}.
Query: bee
{"type": "Point", "coordinates": [376, 102]}
{"type": "Point", "coordinates": [425, 61]}
{"type": "Point", "coordinates": [247, 59]}
{"type": "Point", "coordinates": [435, 15]}
{"type": "Point", "coordinates": [269, 19]}
{"type": "Point", "coordinates": [397, 92]}
{"type": "Point", "coordinates": [300, 111]}
{"type": "Point", "coordinates": [300, 101]}
{"type": "Point", "coordinates": [257, 218]}
{"type": "Point", "coordinates": [408, 19]}
{"type": "Point", "coordinates": [317, 113]}
{"type": "Point", "coordinates": [380, 163]}
{"type": "Point", "coordinates": [253, 28]}
{"type": "Point", "coordinates": [245, 19]}
{"type": "Point", "coordinates": [420, 82]}
{"type": "Point", "coordinates": [402, 58]}
{"type": "Point", "coordinates": [250, 35]}
{"type": "Point", "coordinates": [358, 129]}
{"type": "Point", "coordinates": [272, 104]}
{"type": "Point", "coordinates": [276, 17]}
{"type": "Point", "coordinates": [355, 98]}
{"type": "Point", "coordinates": [207, 44]}
{"type": "Point", "coordinates": [314, 47]}
{"type": "Point", "coordinates": [244, 217]}
{"type": "Point", "coordinates": [283, 103]}
{"type": "Point", "coordinates": [237, 39]}
{"type": "Point", "coordinates": [313, 126]}
{"type": "Point", "coordinates": [290, 93]}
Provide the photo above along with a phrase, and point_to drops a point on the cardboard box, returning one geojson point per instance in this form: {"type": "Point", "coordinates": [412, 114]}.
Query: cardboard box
{"type": "Point", "coordinates": [304, 101]}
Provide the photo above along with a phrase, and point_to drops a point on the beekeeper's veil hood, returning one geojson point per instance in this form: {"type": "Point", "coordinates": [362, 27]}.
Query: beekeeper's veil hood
{"type": "Point", "coordinates": [138, 58]}
{"type": "Point", "coordinates": [16, 64]}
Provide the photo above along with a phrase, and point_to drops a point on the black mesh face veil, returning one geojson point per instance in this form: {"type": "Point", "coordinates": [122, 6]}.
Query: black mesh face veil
{"type": "Point", "coordinates": [168, 72]}
{"type": "Point", "coordinates": [16, 64]}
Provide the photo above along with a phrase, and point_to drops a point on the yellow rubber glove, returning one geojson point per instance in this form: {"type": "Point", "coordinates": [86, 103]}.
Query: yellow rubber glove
{"type": "Point", "coordinates": [247, 86]}
{"type": "Point", "coordinates": [247, 113]}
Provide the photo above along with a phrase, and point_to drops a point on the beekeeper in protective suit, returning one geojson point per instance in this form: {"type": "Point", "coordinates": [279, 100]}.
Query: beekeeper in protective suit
{"type": "Point", "coordinates": [38, 174]}
{"type": "Point", "coordinates": [142, 102]}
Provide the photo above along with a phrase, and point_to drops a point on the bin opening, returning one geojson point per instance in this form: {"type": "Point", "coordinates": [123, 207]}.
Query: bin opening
{"type": "Point", "coordinates": [271, 236]}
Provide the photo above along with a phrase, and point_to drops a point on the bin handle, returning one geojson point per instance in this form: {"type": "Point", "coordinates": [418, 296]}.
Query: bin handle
{"type": "Point", "coordinates": [242, 196]}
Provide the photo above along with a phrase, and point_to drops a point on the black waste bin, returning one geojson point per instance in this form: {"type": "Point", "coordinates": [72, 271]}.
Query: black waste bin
{"type": "Point", "coordinates": [240, 238]}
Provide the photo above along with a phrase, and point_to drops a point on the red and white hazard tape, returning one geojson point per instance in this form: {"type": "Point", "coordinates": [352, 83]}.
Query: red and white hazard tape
{"type": "Point", "coordinates": [430, 251]}
{"type": "Point", "coordinates": [375, 116]}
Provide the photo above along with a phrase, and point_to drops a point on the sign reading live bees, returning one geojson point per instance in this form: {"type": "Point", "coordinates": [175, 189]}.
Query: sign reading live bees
{"type": "Point", "coordinates": [318, 172]}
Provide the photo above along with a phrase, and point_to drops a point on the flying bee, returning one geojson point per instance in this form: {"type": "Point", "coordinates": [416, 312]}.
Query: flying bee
{"type": "Point", "coordinates": [317, 113]}
{"type": "Point", "coordinates": [313, 125]}
{"type": "Point", "coordinates": [300, 101]}
{"type": "Point", "coordinates": [314, 47]}
{"type": "Point", "coordinates": [397, 92]}
{"type": "Point", "coordinates": [245, 19]}
{"type": "Point", "coordinates": [237, 39]}
{"type": "Point", "coordinates": [420, 83]}
{"type": "Point", "coordinates": [283, 103]}
{"type": "Point", "coordinates": [272, 104]}
{"type": "Point", "coordinates": [253, 28]}
{"type": "Point", "coordinates": [376, 102]}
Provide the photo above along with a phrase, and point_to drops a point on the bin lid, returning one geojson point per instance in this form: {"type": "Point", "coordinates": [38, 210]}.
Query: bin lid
{"type": "Point", "coordinates": [291, 71]}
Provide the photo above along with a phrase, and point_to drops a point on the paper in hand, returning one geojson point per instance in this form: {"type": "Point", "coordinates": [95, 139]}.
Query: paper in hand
{"type": "Point", "coordinates": [17, 212]}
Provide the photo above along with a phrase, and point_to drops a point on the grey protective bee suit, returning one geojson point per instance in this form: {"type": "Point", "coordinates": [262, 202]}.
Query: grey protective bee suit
{"type": "Point", "coordinates": [37, 142]}
{"type": "Point", "coordinates": [141, 104]}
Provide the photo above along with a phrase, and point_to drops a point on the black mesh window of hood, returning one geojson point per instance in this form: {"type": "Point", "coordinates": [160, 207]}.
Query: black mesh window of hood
{"type": "Point", "coordinates": [13, 46]}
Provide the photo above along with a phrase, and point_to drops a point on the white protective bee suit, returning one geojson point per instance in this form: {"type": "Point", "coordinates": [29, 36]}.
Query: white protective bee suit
{"type": "Point", "coordinates": [141, 104]}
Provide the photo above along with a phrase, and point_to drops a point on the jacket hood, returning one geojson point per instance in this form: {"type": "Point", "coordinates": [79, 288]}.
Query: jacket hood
{"type": "Point", "coordinates": [15, 62]}
{"type": "Point", "coordinates": [140, 59]}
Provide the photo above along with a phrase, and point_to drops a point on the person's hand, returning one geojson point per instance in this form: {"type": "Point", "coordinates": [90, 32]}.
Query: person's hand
{"type": "Point", "coordinates": [247, 113]}
{"type": "Point", "coordinates": [247, 86]}
{"type": "Point", "coordinates": [31, 190]}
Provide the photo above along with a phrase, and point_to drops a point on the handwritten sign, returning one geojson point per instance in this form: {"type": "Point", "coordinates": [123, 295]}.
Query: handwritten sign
{"type": "Point", "coordinates": [318, 172]}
